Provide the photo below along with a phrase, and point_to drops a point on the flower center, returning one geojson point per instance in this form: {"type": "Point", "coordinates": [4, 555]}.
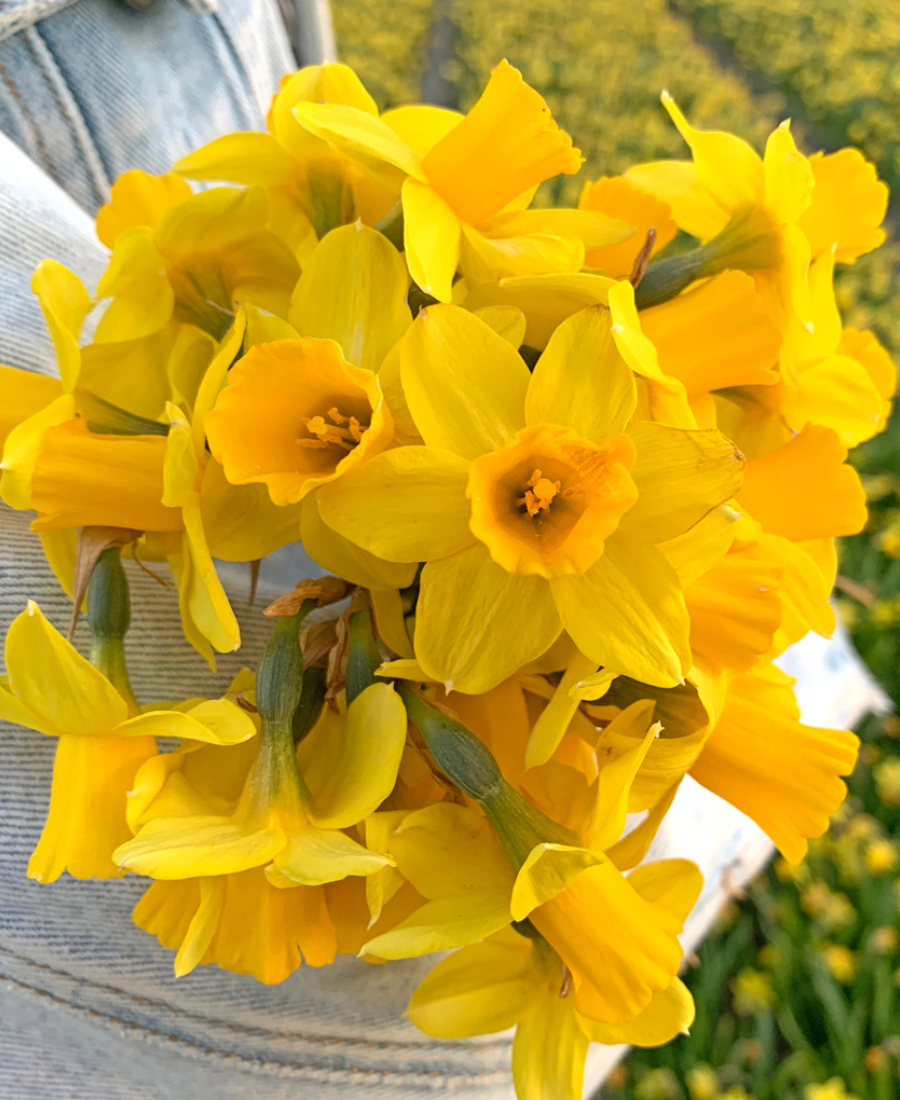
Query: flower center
{"type": "Point", "coordinates": [539, 493]}
{"type": "Point", "coordinates": [343, 432]}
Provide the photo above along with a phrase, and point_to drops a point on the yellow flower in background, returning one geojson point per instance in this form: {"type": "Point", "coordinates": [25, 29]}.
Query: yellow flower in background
{"type": "Point", "coordinates": [102, 742]}
{"type": "Point", "coordinates": [834, 1089]}
{"type": "Point", "coordinates": [535, 502]}
{"type": "Point", "coordinates": [465, 185]}
{"type": "Point", "coordinates": [752, 992]}
{"type": "Point", "coordinates": [841, 962]}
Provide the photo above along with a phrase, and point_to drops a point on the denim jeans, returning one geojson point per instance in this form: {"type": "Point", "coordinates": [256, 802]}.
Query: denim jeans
{"type": "Point", "coordinates": [89, 1007]}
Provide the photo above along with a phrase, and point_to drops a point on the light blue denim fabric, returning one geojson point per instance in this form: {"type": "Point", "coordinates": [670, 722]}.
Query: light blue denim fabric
{"type": "Point", "coordinates": [89, 1007]}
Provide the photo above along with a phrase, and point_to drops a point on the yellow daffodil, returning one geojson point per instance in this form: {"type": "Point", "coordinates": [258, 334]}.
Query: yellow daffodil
{"type": "Point", "coordinates": [51, 688]}
{"type": "Point", "coordinates": [310, 185]}
{"type": "Point", "coordinates": [464, 185]}
{"type": "Point", "coordinates": [451, 856]}
{"type": "Point", "coordinates": [281, 821]}
{"type": "Point", "coordinates": [207, 254]}
{"type": "Point", "coordinates": [617, 197]}
{"type": "Point", "coordinates": [743, 207]}
{"type": "Point", "coordinates": [512, 980]}
{"type": "Point", "coordinates": [536, 502]}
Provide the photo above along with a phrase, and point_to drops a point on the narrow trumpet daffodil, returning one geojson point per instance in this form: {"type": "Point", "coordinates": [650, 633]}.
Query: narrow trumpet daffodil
{"type": "Point", "coordinates": [282, 822]}
{"type": "Point", "coordinates": [463, 190]}
{"type": "Point", "coordinates": [745, 208]}
{"type": "Point", "coordinates": [311, 186]}
{"type": "Point", "coordinates": [536, 502]}
{"type": "Point", "coordinates": [51, 688]}
{"type": "Point", "coordinates": [512, 980]}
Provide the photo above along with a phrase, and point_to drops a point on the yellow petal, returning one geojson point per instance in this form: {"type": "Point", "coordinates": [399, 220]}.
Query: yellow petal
{"type": "Point", "coordinates": [553, 722]}
{"type": "Point", "coordinates": [593, 228]}
{"type": "Point", "coordinates": [464, 384]}
{"type": "Point", "coordinates": [421, 126]}
{"type": "Point", "coordinates": [484, 259]}
{"type": "Point", "coordinates": [203, 926]}
{"type": "Point", "coordinates": [548, 871]}
{"type": "Point", "coordinates": [191, 847]}
{"type": "Point", "coordinates": [446, 850]}
{"type": "Point", "coordinates": [632, 848]}
{"type": "Point", "coordinates": [670, 1013]}
{"type": "Point", "coordinates": [546, 300]}
{"type": "Point", "coordinates": [784, 775]}
{"type": "Point", "coordinates": [581, 380]}
{"type": "Point", "coordinates": [86, 819]}
{"type": "Point", "coordinates": [477, 991]}
{"type": "Point", "coordinates": [672, 884]}
{"type": "Point", "coordinates": [338, 555]}
{"type": "Point", "coordinates": [788, 175]}
{"type": "Point", "coordinates": [204, 597]}
{"type": "Point", "coordinates": [215, 377]}
{"type": "Point", "coordinates": [53, 680]}
{"type": "Point", "coordinates": [476, 624]}
{"type": "Point", "coordinates": [677, 183]}
{"type": "Point", "coordinates": [507, 321]}
{"type": "Point", "coordinates": [804, 489]}
{"type": "Point", "coordinates": [240, 521]}
{"type": "Point", "coordinates": [215, 721]}
{"type": "Point", "coordinates": [22, 394]}
{"type": "Point", "coordinates": [616, 777]}
{"type": "Point", "coordinates": [362, 768]}
{"type": "Point", "coordinates": [138, 198]}
{"type": "Point", "coordinates": [442, 925]}
{"type": "Point", "coordinates": [643, 629]}
{"type": "Point", "coordinates": [431, 239]}
{"type": "Point", "coordinates": [680, 476]}
{"type": "Point", "coordinates": [370, 313]}
{"type": "Point", "coordinates": [620, 200]}
{"type": "Point", "coordinates": [405, 505]}
{"type": "Point", "coordinates": [549, 1050]}
{"type": "Point", "coordinates": [65, 303]}
{"type": "Point", "coordinates": [249, 158]}
{"type": "Point", "coordinates": [136, 280]}
{"type": "Point", "coordinates": [507, 143]}
{"type": "Point", "coordinates": [848, 205]}
{"type": "Point", "coordinates": [23, 448]}
{"type": "Point", "coordinates": [364, 138]}
{"type": "Point", "coordinates": [727, 167]}
{"type": "Point", "coordinates": [718, 334]}
{"type": "Point", "coordinates": [382, 886]}
{"type": "Point", "coordinates": [315, 856]}
{"type": "Point", "coordinates": [632, 342]}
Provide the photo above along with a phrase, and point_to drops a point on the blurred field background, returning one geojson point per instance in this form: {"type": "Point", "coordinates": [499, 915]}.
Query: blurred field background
{"type": "Point", "coordinates": [798, 989]}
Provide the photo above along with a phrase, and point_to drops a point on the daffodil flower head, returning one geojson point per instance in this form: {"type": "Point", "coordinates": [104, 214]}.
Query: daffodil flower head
{"type": "Point", "coordinates": [550, 497]}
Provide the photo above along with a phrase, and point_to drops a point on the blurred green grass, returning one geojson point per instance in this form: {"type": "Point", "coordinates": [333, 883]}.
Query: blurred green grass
{"type": "Point", "coordinates": [798, 987]}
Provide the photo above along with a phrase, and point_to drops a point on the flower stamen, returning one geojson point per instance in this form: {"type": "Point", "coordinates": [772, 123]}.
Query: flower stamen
{"type": "Point", "coordinates": [336, 434]}
{"type": "Point", "coordinates": [539, 493]}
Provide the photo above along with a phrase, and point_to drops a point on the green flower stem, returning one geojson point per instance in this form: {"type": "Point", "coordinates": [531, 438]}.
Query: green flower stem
{"type": "Point", "coordinates": [109, 616]}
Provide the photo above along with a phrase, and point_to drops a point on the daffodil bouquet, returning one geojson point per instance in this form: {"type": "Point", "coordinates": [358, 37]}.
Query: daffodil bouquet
{"type": "Point", "coordinates": [572, 478]}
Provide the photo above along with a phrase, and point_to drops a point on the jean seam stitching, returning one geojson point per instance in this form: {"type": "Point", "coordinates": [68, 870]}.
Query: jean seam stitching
{"type": "Point", "coordinates": [84, 143]}
{"type": "Point", "coordinates": [250, 1061]}
{"type": "Point", "coordinates": [243, 1029]}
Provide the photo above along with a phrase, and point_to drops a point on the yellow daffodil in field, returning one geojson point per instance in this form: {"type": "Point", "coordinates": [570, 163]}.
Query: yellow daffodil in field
{"type": "Point", "coordinates": [743, 207]}
{"type": "Point", "coordinates": [102, 741]}
{"type": "Point", "coordinates": [311, 186]}
{"type": "Point", "coordinates": [535, 501]}
{"type": "Point", "coordinates": [512, 980]}
{"type": "Point", "coordinates": [465, 184]}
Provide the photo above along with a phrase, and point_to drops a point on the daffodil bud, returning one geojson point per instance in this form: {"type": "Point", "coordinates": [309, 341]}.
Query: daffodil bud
{"type": "Point", "coordinates": [280, 672]}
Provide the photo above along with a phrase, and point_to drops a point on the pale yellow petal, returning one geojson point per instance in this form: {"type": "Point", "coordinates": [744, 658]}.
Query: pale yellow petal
{"type": "Point", "coordinates": [431, 239]}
